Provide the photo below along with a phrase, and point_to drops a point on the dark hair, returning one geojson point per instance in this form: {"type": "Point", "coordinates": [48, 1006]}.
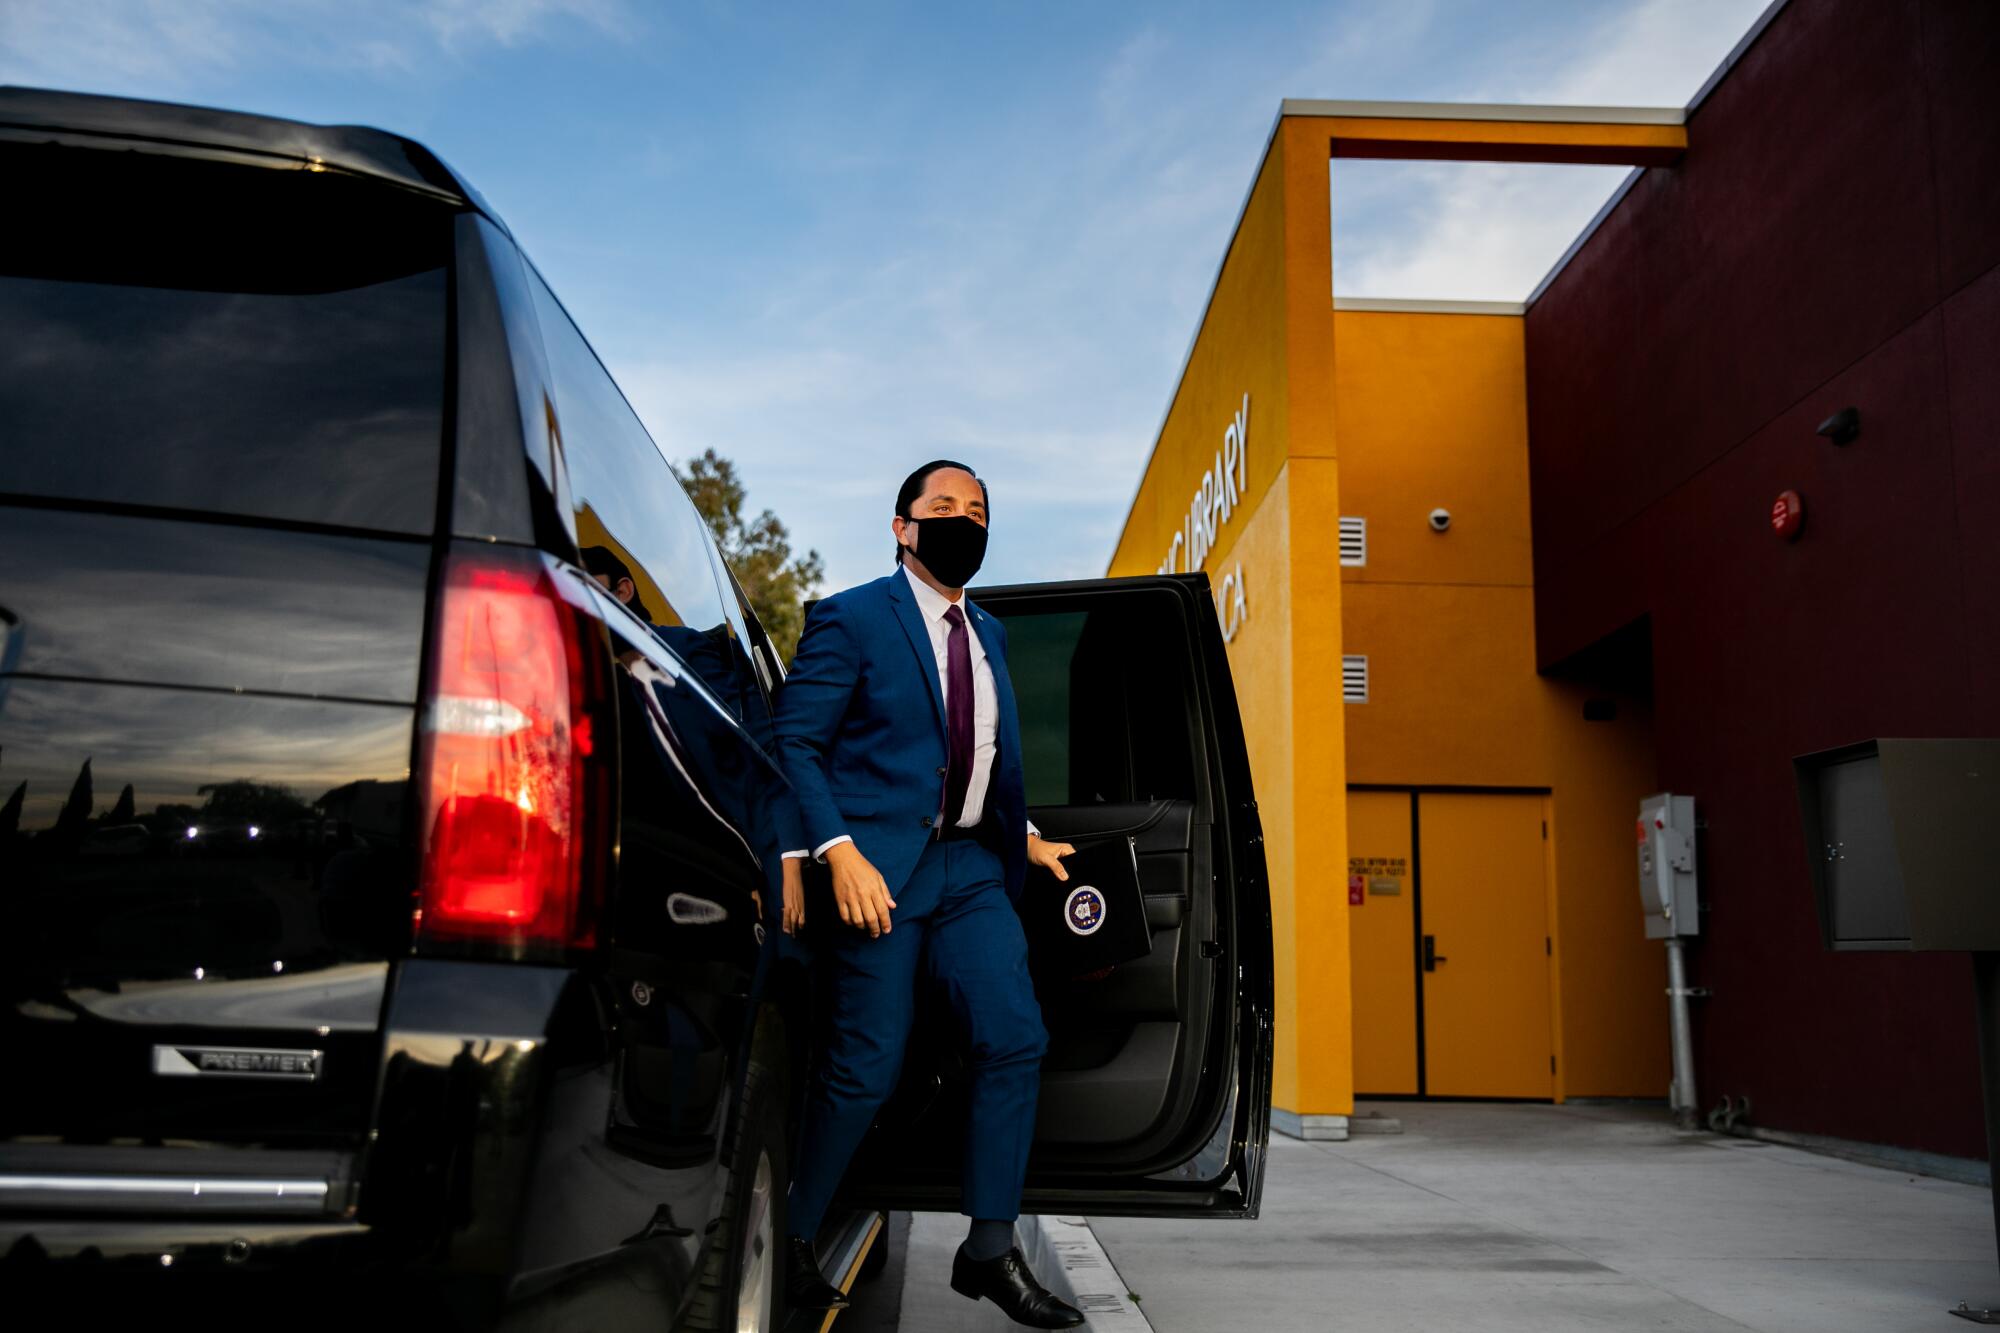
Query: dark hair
{"type": "Point", "coordinates": [913, 490]}
{"type": "Point", "coordinates": [602, 561]}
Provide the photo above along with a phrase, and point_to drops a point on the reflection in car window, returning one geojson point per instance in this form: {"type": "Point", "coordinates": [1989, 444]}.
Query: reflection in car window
{"type": "Point", "coordinates": [631, 513]}
{"type": "Point", "coordinates": [751, 682]}
{"type": "Point", "coordinates": [248, 342]}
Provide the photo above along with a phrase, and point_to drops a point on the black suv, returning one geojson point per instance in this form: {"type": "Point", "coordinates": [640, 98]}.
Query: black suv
{"type": "Point", "coordinates": [389, 900]}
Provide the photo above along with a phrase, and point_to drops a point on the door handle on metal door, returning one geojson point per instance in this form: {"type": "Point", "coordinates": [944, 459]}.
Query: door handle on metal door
{"type": "Point", "coordinates": [1431, 955]}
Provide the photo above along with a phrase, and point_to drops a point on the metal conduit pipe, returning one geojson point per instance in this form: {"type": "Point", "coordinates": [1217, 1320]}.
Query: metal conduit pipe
{"type": "Point", "coordinates": [1687, 1107]}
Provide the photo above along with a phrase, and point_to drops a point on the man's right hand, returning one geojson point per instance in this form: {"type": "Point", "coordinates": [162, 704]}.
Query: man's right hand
{"type": "Point", "coordinates": [859, 890]}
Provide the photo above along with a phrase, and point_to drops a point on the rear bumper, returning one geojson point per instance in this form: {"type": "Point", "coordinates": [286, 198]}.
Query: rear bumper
{"type": "Point", "coordinates": [146, 1209]}
{"type": "Point", "coordinates": [47, 1246]}
{"type": "Point", "coordinates": [63, 1180]}
{"type": "Point", "coordinates": [466, 1048]}
{"type": "Point", "coordinates": [229, 1274]}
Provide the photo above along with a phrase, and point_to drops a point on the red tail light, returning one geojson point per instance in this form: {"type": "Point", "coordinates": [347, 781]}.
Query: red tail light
{"type": "Point", "coordinates": [510, 794]}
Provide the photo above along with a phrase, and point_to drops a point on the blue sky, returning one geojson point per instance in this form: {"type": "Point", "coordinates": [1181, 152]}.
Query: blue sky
{"type": "Point", "coordinates": [832, 241]}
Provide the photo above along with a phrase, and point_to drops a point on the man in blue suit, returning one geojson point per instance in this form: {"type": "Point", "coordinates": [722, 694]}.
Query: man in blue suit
{"type": "Point", "coordinates": [896, 726]}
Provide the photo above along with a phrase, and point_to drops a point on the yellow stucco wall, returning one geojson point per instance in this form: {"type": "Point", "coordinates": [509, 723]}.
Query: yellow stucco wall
{"type": "Point", "coordinates": [1431, 411]}
{"type": "Point", "coordinates": [1453, 699]}
{"type": "Point", "coordinates": [1612, 1020]}
{"type": "Point", "coordinates": [1319, 796]}
{"type": "Point", "coordinates": [1261, 663]}
{"type": "Point", "coordinates": [1325, 1010]}
{"type": "Point", "coordinates": [1428, 137]}
{"type": "Point", "coordinates": [1263, 311]}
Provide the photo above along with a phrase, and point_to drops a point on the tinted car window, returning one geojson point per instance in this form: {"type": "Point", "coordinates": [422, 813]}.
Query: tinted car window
{"type": "Point", "coordinates": [630, 507]}
{"type": "Point", "coordinates": [248, 341]}
{"type": "Point", "coordinates": [751, 678]}
{"type": "Point", "coordinates": [1105, 702]}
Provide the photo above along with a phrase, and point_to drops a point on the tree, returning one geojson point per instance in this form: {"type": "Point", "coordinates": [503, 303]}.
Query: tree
{"type": "Point", "coordinates": [10, 813]}
{"type": "Point", "coordinates": [250, 800]}
{"type": "Point", "coordinates": [759, 551]}
{"type": "Point", "coordinates": [75, 812]}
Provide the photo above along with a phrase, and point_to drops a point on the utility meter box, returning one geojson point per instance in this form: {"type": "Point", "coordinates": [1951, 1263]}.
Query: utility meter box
{"type": "Point", "coordinates": [1900, 840]}
{"type": "Point", "coordinates": [1666, 866]}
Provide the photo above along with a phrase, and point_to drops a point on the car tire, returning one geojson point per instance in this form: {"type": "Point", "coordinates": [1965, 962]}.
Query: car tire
{"type": "Point", "coordinates": [740, 1288]}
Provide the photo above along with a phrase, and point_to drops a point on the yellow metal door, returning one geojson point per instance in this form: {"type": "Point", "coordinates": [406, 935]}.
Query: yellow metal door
{"type": "Point", "coordinates": [1482, 870]}
{"type": "Point", "coordinates": [1381, 915]}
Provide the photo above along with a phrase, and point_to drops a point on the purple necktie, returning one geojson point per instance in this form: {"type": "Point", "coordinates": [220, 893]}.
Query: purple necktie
{"type": "Point", "coordinates": [957, 714]}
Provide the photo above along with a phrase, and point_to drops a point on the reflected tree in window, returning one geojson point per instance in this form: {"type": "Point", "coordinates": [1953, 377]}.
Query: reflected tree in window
{"type": "Point", "coordinates": [759, 550]}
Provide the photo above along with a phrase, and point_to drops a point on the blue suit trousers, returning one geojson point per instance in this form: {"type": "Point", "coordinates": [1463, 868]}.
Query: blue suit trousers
{"type": "Point", "coordinates": [954, 921]}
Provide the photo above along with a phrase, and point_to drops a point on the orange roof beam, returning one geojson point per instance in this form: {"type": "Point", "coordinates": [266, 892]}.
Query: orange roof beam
{"type": "Point", "coordinates": [1469, 132]}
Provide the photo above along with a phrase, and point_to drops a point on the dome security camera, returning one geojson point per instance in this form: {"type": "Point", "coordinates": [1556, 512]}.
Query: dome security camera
{"type": "Point", "coordinates": [1440, 520]}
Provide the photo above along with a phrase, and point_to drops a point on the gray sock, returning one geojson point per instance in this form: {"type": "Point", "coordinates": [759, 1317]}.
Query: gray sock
{"type": "Point", "coordinates": [988, 1239]}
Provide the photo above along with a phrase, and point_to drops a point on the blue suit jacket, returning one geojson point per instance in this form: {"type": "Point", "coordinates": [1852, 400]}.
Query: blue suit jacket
{"type": "Point", "coordinates": [861, 731]}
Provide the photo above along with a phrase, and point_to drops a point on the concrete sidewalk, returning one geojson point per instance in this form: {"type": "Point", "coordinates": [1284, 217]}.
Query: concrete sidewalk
{"type": "Point", "coordinates": [1503, 1217]}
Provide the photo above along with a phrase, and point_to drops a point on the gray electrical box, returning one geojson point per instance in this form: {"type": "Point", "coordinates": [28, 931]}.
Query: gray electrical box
{"type": "Point", "coordinates": [1667, 887]}
{"type": "Point", "coordinates": [1900, 838]}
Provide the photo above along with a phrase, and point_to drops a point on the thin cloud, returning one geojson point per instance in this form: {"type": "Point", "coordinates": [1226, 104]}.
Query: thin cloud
{"type": "Point", "coordinates": [459, 23]}
{"type": "Point", "coordinates": [166, 47]}
{"type": "Point", "coordinates": [121, 46]}
{"type": "Point", "coordinates": [1459, 231]}
{"type": "Point", "coordinates": [1487, 231]}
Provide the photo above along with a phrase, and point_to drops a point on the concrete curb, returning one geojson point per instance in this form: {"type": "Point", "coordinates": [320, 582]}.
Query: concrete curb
{"type": "Point", "coordinates": [1063, 1251]}
{"type": "Point", "coordinates": [1092, 1282]}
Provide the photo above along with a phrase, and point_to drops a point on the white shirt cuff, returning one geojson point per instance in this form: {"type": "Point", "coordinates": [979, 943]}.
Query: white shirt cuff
{"type": "Point", "coordinates": [1033, 832]}
{"type": "Point", "coordinates": [798, 855]}
{"type": "Point", "coordinates": [819, 852]}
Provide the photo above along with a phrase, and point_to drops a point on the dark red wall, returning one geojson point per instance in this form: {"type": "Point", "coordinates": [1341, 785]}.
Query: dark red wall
{"type": "Point", "coordinates": [1830, 240]}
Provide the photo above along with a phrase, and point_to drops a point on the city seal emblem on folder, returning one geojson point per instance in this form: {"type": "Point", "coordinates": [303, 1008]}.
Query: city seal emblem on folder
{"type": "Point", "coordinates": [1083, 912]}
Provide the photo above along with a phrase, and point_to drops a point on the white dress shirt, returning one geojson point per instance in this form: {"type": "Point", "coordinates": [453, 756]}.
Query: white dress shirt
{"type": "Point", "coordinates": [931, 605]}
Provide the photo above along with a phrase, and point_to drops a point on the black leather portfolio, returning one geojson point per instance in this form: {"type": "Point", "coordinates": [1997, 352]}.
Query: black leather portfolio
{"type": "Point", "coordinates": [1093, 921]}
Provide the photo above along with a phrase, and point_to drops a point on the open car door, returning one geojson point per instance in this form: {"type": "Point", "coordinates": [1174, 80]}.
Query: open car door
{"type": "Point", "coordinates": [1156, 1091]}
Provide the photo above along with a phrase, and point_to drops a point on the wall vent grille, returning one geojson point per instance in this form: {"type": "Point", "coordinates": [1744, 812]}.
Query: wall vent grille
{"type": "Point", "coordinates": [1354, 679]}
{"type": "Point", "coordinates": [1353, 541]}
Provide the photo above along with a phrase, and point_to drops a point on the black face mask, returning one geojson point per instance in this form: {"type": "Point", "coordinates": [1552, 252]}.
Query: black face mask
{"type": "Point", "coordinates": [951, 547]}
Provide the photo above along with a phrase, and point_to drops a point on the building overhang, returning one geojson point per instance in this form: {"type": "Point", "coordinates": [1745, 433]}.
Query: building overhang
{"type": "Point", "coordinates": [1485, 132]}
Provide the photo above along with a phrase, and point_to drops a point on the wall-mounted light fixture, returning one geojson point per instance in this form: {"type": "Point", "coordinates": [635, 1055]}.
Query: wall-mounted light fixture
{"type": "Point", "coordinates": [1842, 427]}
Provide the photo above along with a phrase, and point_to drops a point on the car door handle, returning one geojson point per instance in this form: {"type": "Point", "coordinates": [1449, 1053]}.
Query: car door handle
{"type": "Point", "coordinates": [1431, 955]}
{"type": "Point", "coordinates": [685, 909]}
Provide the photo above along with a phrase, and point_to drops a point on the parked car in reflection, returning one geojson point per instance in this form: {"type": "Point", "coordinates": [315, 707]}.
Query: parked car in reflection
{"type": "Point", "coordinates": [116, 840]}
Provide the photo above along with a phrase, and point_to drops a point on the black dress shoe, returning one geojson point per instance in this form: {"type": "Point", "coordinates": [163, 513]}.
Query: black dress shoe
{"type": "Point", "coordinates": [1006, 1282]}
{"type": "Point", "coordinates": [805, 1288]}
